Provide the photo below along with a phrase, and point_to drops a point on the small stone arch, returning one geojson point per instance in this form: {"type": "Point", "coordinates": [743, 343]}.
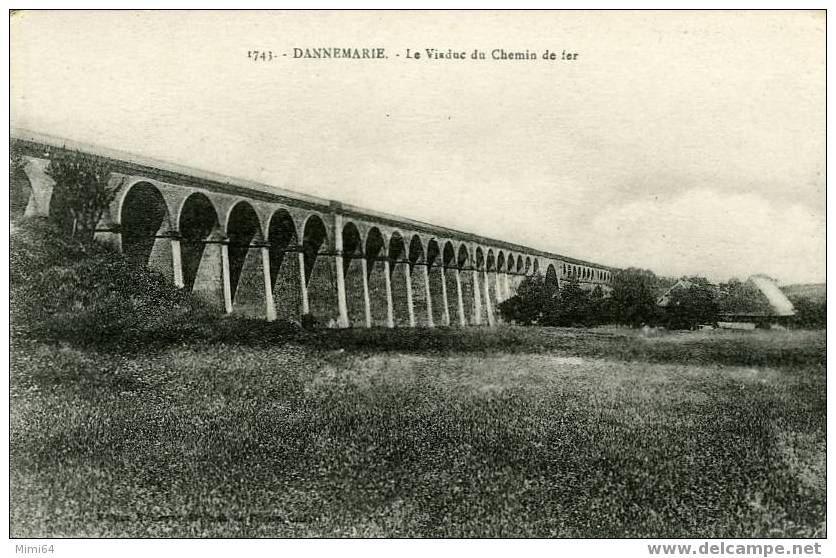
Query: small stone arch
{"type": "Point", "coordinates": [416, 250]}
{"type": "Point", "coordinates": [397, 248]}
{"type": "Point", "coordinates": [352, 241]}
{"type": "Point", "coordinates": [398, 267]}
{"type": "Point", "coordinates": [433, 253]}
{"type": "Point", "coordinates": [449, 255]}
{"type": "Point", "coordinates": [145, 221]}
{"type": "Point", "coordinates": [314, 236]}
{"type": "Point", "coordinates": [282, 236]}
{"type": "Point", "coordinates": [197, 223]}
{"type": "Point", "coordinates": [463, 258]}
{"type": "Point", "coordinates": [352, 262]}
{"type": "Point", "coordinates": [417, 258]}
{"type": "Point", "coordinates": [480, 259]}
{"type": "Point", "coordinates": [243, 230]}
{"type": "Point", "coordinates": [283, 239]}
{"type": "Point", "coordinates": [375, 254]}
{"type": "Point", "coordinates": [551, 282]}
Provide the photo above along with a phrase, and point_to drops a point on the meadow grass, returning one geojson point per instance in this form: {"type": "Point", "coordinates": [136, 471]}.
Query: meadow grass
{"type": "Point", "coordinates": [244, 429]}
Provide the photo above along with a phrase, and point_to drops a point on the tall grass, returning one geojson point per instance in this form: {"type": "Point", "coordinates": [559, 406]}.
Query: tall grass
{"type": "Point", "coordinates": [183, 424]}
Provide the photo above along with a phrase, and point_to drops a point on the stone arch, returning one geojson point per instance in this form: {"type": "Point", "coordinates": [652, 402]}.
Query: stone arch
{"type": "Point", "coordinates": [246, 277]}
{"type": "Point", "coordinates": [520, 264]}
{"type": "Point", "coordinates": [375, 252]}
{"type": "Point", "coordinates": [464, 261]}
{"type": "Point", "coordinates": [552, 284]}
{"type": "Point", "coordinates": [416, 250]}
{"type": "Point", "coordinates": [463, 257]}
{"type": "Point", "coordinates": [197, 222]}
{"type": "Point", "coordinates": [493, 290]}
{"type": "Point", "coordinates": [320, 275]}
{"type": "Point", "coordinates": [314, 237]}
{"type": "Point", "coordinates": [145, 227]}
{"type": "Point", "coordinates": [434, 262]}
{"type": "Point", "coordinates": [536, 266]}
{"type": "Point", "coordinates": [353, 273]}
{"type": "Point", "coordinates": [448, 257]}
{"type": "Point", "coordinates": [284, 264]}
{"type": "Point", "coordinates": [481, 295]}
{"type": "Point", "coordinates": [504, 265]}
{"type": "Point", "coordinates": [398, 267]}
{"type": "Point", "coordinates": [527, 265]}
{"type": "Point", "coordinates": [417, 261]}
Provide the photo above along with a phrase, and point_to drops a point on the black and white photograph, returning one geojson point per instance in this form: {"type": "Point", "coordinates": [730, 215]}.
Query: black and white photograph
{"type": "Point", "coordinates": [418, 274]}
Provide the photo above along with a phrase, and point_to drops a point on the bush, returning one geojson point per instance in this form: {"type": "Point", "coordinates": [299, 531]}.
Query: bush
{"type": "Point", "coordinates": [634, 297]}
{"type": "Point", "coordinates": [689, 307]}
{"type": "Point", "coordinates": [809, 314]}
{"type": "Point", "coordinates": [309, 322]}
{"type": "Point", "coordinates": [65, 289]}
{"type": "Point", "coordinates": [535, 302]}
{"type": "Point", "coordinates": [541, 303]}
{"type": "Point", "coordinates": [81, 193]}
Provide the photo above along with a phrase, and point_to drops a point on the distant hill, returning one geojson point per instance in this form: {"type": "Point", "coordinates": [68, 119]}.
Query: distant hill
{"type": "Point", "coordinates": [816, 292]}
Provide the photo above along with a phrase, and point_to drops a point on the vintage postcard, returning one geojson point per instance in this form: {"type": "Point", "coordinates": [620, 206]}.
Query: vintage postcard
{"type": "Point", "coordinates": [419, 274]}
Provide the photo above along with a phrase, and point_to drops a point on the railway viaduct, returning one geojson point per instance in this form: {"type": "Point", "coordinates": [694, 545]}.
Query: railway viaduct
{"type": "Point", "coordinates": [262, 251]}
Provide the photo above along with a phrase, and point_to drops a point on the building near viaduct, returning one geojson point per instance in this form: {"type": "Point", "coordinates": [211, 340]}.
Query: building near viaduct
{"type": "Point", "coordinates": [256, 250]}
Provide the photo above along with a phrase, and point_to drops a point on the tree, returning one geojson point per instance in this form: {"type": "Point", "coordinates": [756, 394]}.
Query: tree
{"type": "Point", "coordinates": [739, 297]}
{"type": "Point", "coordinates": [82, 191]}
{"type": "Point", "coordinates": [599, 307]}
{"type": "Point", "coordinates": [533, 301]}
{"type": "Point", "coordinates": [691, 306]}
{"type": "Point", "coordinates": [634, 296]}
{"type": "Point", "coordinates": [543, 303]}
{"type": "Point", "coordinates": [809, 313]}
{"type": "Point", "coordinates": [573, 305]}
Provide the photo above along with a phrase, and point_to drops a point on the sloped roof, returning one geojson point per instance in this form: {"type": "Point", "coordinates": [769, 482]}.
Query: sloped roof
{"type": "Point", "coordinates": [781, 305]}
{"type": "Point", "coordinates": [757, 296]}
{"type": "Point", "coordinates": [665, 299]}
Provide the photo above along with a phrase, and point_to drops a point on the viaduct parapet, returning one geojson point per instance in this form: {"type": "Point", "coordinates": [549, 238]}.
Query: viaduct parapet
{"type": "Point", "coordinates": [256, 250]}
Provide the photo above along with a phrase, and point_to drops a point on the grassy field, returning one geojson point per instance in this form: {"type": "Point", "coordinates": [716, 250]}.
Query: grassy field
{"type": "Point", "coordinates": [252, 431]}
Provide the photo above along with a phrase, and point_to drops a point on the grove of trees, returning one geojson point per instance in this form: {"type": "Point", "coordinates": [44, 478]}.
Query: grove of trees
{"type": "Point", "coordinates": [632, 301]}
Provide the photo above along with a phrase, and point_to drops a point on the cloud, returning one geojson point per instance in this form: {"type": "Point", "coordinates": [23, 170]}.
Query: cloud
{"type": "Point", "coordinates": [716, 234]}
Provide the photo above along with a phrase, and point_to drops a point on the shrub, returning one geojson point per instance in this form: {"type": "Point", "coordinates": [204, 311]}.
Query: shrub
{"type": "Point", "coordinates": [689, 307]}
{"type": "Point", "coordinates": [309, 322]}
{"type": "Point", "coordinates": [634, 297]}
{"type": "Point", "coordinates": [65, 289]}
{"type": "Point", "coordinates": [535, 302]}
{"type": "Point", "coordinates": [809, 313]}
{"type": "Point", "coordinates": [82, 191]}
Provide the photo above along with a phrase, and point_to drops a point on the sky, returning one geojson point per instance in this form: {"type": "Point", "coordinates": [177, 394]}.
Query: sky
{"type": "Point", "coordinates": [682, 142]}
